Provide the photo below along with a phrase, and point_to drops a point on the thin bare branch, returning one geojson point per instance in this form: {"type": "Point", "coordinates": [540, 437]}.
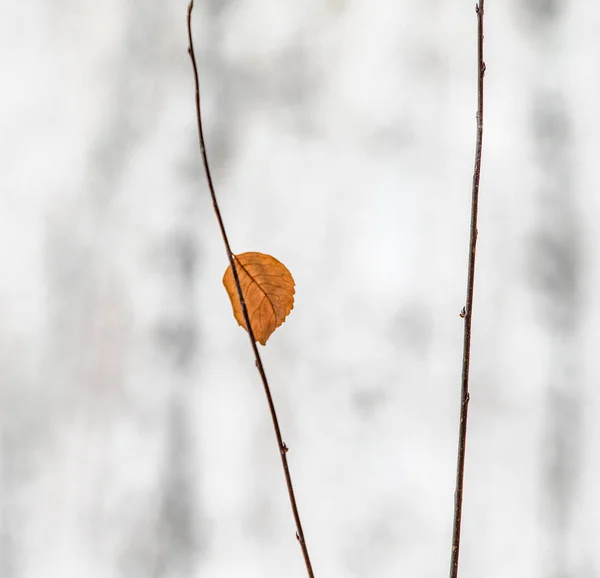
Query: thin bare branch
{"type": "Point", "coordinates": [467, 312]}
{"type": "Point", "coordinates": [283, 449]}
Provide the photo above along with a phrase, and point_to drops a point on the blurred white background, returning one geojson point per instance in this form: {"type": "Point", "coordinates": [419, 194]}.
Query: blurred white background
{"type": "Point", "coordinates": [135, 438]}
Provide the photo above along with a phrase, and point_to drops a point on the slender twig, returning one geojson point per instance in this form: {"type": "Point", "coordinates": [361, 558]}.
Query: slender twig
{"type": "Point", "coordinates": [467, 312]}
{"type": "Point", "coordinates": [283, 449]}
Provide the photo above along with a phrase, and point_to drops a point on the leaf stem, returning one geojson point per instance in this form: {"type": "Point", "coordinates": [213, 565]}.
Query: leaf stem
{"type": "Point", "coordinates": [283, 449]}
{"type": "Point", "coordinates": [468, 309]}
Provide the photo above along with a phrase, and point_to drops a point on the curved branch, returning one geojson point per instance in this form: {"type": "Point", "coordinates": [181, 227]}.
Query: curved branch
{"type": "Point", "coordinates": [283, 449]}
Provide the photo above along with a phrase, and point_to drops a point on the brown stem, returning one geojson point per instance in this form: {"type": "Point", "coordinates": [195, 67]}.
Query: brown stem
{"type": "Point", "coordinates": [468, 309]}
{"type": "Point", "coordinates": [259, 365]}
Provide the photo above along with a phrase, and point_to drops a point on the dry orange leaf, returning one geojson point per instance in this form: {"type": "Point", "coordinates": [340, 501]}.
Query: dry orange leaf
{"type": "Point", "coordinates": [268, 290]}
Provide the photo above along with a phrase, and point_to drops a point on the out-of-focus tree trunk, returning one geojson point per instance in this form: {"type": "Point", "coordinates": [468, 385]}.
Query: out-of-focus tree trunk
{"type": "Point", "coordinates": [556, 266]}
{"type": "Point", "coordinates": [177, 335]}
{"type": "Point", "coordinates": [122, 302]}
{"type": "Point", "coordinates": [555, 263]}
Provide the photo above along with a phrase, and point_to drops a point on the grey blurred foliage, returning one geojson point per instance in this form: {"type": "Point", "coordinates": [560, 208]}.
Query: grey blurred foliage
{"type": "Point", "coordinates": [134, 437]}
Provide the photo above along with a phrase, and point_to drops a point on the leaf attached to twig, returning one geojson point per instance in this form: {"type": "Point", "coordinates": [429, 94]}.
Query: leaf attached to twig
{"type": "Point", "coordinates": [268, 290]}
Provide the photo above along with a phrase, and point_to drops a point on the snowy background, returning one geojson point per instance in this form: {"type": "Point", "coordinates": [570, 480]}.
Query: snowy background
{"type": "Point", "coordinates": [135, 438]}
